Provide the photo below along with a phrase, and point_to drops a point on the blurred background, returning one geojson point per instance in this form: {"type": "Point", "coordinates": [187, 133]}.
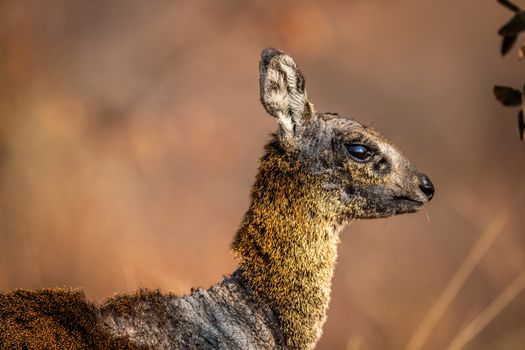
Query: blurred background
{"type": "Point", "coordinates": [130, 133]}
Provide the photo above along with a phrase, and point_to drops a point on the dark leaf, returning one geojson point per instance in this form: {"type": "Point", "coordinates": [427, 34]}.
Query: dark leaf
{"type": "Point", "coordinates": [507, 96]}
{"type": "Point", "coordinates": [521, 124]}
{"type": "Point", "coordinates": [509, 5]}
{"type": "Point", "coordinates": [507, 43]}
{"type": "Point", "coordinates": [515, 26]}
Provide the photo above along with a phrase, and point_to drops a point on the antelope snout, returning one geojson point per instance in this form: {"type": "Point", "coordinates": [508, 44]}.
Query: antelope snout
{"type": "Point", "coordinates": [426, 186]}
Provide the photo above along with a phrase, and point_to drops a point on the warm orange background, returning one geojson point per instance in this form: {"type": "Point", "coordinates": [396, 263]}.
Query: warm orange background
{"type": "Point", "coordinates": [130, 133]}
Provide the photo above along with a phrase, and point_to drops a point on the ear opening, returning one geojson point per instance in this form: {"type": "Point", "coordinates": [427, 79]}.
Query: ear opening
{"type": "Point", "coordinates": [282, 90]}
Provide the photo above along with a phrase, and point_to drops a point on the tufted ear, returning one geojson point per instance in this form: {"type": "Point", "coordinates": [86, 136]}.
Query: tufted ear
{"type": "Point", "coordinates": [282, 91]}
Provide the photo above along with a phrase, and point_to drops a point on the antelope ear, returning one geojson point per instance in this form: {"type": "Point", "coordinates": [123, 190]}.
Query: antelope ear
{"type": "Point", "coordinates": [282, 90]}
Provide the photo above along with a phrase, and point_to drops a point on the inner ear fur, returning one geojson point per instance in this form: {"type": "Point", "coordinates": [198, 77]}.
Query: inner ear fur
{"type": "Point", "coordinates": [282, 89]}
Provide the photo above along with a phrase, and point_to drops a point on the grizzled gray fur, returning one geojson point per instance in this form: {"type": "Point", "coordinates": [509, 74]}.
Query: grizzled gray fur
{"type": "Point", "coordinates": [222, 317]}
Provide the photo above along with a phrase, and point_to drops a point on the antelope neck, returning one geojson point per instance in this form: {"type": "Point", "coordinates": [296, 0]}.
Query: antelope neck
{"type": "Point", "coordinates": [287, 246]}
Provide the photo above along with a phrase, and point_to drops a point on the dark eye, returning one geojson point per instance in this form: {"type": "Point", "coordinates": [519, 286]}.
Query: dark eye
{"type": "Point", "coordinates": [359, 152]}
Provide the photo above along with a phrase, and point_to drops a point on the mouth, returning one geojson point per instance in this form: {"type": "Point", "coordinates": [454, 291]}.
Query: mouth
{"type": "Point", "coordinates": [407, 204]}
{"type": "Point", "coordinates": [407, 200]}
{"type": "Point", "coordinates": [389, 205]}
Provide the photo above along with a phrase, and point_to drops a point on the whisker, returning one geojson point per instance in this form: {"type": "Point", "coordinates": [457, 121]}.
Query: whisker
{"type": "Point", "coordinates": [427, 215]}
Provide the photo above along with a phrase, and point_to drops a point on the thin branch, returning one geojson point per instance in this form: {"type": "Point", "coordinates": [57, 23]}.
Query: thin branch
{"type": "Point", "coordinates": [509, 5]}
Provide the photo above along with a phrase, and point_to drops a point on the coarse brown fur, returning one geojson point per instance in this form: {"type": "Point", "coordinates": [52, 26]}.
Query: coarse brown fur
{"type": "Point", "coordinates": [318, 172]}
{"type": "Point", "coordinates": [53, 319]}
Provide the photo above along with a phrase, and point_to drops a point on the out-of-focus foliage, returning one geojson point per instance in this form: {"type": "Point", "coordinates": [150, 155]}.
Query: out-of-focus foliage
{"type": "Point", "coordinates": [509, 96]}
{"type": "Point", "coordinates": [510, 30]}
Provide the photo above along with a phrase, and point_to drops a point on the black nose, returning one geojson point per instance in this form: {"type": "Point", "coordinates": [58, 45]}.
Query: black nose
{"type": "Point", "coordinates": [427, 187]}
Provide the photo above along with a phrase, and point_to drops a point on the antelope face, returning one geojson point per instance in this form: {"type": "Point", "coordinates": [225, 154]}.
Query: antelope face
{"type": "Point", "coordinates": [360, 173]}
{"type": "Point", "coordinates": [367, 174]}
